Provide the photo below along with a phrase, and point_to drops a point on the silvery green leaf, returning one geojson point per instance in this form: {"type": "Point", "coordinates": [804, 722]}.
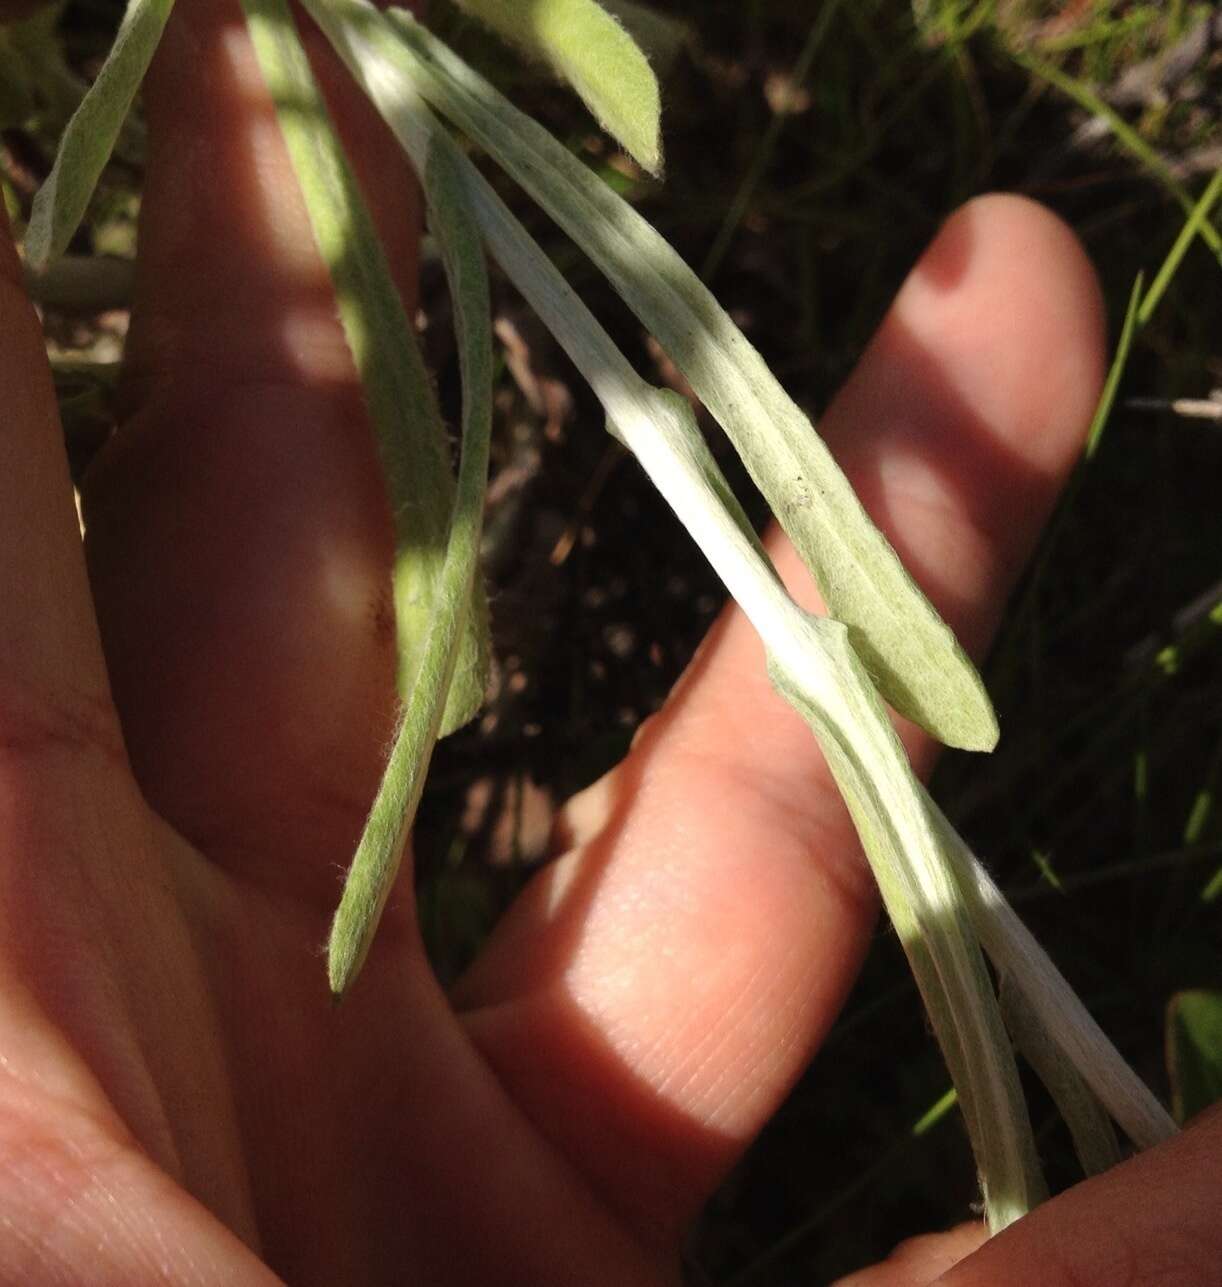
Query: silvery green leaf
{"type": "Point", "coordinates": [378, 856]}
{"type": "Point", "coordinates": [1023, 962]}
{"type": "Point", "coordinates": [402, 407]}
{"type": "Point", "coordinates": [90, 136]}
{"type": "Point", "coordinates": [923, 900]}
{"type": "Point", "coordinates": [907, 649]}
{"type": "Point", "coordinates": [1093, 1136]}
{"type": "Point", "coordinates": [597, 56]}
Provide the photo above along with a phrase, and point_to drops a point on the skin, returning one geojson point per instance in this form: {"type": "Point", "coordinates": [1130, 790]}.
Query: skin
{"type": "Point", "coordinates": [192, 712]}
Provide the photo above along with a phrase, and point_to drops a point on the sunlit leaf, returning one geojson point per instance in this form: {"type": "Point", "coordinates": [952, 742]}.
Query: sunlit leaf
{"type": "Point", "coordinates": [595, 54]}
{"type": "Point", "coordinates": [906, 647]}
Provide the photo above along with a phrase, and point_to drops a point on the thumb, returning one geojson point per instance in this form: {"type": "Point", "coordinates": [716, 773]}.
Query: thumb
{"type": "Point", "coordinates": [1152, 1220]}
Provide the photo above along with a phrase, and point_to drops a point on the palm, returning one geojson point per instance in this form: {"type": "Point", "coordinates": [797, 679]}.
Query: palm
{"type": "Point", "coordinates": [640, 1013]}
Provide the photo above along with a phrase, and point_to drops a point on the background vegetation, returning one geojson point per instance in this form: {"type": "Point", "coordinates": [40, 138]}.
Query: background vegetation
{"type": "Point", "coordinates": [812, 152]}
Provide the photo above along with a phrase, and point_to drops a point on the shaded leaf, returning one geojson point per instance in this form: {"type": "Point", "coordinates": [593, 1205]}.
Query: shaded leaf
{"type": "Point", "coordinates": [1094, 1137]}
{"type": "Point", "coordinates": [1194, 1051]}
{"type": "Point", "coordinates": [89, 139]}
{"type": "Point", "coordinates": [402, 407]}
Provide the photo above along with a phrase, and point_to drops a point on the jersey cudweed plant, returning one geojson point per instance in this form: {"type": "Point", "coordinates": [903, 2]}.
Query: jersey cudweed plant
{"type": "Point", "coordinates": [881, 641]}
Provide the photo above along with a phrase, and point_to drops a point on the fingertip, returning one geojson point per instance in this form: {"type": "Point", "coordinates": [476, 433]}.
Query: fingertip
{"type": "Point", "coordinates": [1007, 277]}
{"type": "Point", "coordinates": [967, 411]}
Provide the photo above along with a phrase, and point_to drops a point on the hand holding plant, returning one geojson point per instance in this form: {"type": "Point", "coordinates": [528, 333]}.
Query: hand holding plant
{"type": "Point", "coordinates": [651, 996]}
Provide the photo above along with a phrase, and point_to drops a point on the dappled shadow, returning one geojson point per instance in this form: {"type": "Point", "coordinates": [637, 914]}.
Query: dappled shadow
{"type": "Point", "coordinates": [577, 1069]}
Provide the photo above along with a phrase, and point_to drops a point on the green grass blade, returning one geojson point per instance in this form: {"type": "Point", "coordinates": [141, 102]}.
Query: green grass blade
{"type": "Point", "coordinates": [763, 152]}
{"type": "Point", "coordinates": [1213, 888]}
{"type": "Point", "coordinates": [596, 55]}
{"type": "Point", "coordinates": [1194, 1051]}
{"type": "Point", "coordinates": [402, 408]}
{"type": "Point", "coordinates": [1107, 397]}
{"type": "Point", "coordinates": [90, 135]}
{"type": "Point", "coordinates": [906, 647]}
{"type": "Point", "coordinates": [934, 1113]}
{"type": "Point", "coordinates": [1125, 135]}
{"type": "Point", "coordinates": [380, 851]}
{"type": "Point", "coordinates": [1191, 229]}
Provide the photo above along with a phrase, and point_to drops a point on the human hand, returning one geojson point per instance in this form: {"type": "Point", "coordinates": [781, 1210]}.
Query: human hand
{"type": "Point", "coordinates": [181, 1099]}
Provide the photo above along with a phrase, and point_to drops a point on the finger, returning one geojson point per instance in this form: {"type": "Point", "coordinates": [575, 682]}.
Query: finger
{"type": "Point", "coordinates": [667, 981]}
{"type": "Point", "coordinates": [916, 1262]}
{"type": "Point", "coordinates": [1152, 1220]}
{"type": "Point", "coordinates": [80, 1196]}
{"type": "Point", "coordinates": [52, 679]}
{"type": "Point", "coordinates": [239, 537]}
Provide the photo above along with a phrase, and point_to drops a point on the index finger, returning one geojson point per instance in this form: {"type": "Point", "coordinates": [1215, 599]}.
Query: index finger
{"type": "Point", "coordinates": [51, 671]}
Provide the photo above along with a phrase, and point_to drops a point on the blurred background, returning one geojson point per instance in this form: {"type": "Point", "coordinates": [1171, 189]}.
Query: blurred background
{"type": "Point", "coordinates": [812, 151]}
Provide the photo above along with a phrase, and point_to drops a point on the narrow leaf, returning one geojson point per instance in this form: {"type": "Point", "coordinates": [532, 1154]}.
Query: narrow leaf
{"type": "Point", "coordinates": [402, 408]}
{"type": "Point", "coordinates": [1175, 256]}
{"type": "Point", "coordinates": [907, 649]}
{"type": "Point", "coordinates": [1020, 959]}
{"type": "Point", "coordinates": [1093, 1135]}
{"type": "Point", "coordinates": [1194, 1051]}
{"type": "Point", "coordinates": [1107, 396]}
{"type": "Point", "coordinates": [379, 854]}
{"type": "Point", "coordinates": [926, 907]}
{"type": "Point", "coordinates": [89, 139]}
{"type": "Point", "coordinates": [1126, 135]}
{"type": "Point", "coordinates": [589, 48]}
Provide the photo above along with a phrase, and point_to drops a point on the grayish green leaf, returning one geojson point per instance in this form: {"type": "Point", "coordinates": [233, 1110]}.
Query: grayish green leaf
{"type": "Point", "coordinates": [1067, 1022]}
{"type": "Point", "coordinates": [91, 133]}
{"type": "Point", "coordinates": [660, 35]}
{"type": "Point", "coordinates": [907, 649]}
{"type": "Point", "coordinates": [406, 422]}
{"type": "Point", "coordinates": [1093, 1135]}
{"type": "Point", "coordinates": [925, 905]}
{"type": "Point", "coordinates": [589, 48]}
{"type": "Point", "coordinates": [379, 854]}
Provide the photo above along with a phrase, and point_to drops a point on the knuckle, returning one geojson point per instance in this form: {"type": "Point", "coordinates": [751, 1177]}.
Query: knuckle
{"type": "Point", "coordinates": [57, 1165]}
{"type": "Point", "coordinates": [34, 725]}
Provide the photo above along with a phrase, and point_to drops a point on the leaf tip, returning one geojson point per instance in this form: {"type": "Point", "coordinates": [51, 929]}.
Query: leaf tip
{"type": "Point", "coordinates": [980, 732]}
{"type": "Point", "coordinates": [346, 950]}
